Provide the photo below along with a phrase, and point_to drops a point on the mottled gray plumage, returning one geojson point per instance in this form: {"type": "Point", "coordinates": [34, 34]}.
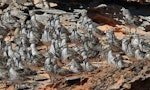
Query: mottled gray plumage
{"type": "Point", "coordinates": [144, 47]}
{"type": "Point", "coordinates": [61, 71]}
{"type": "Point", "coordinates": [114, 43]}
{"type": "Point", "coordinates": [139, 55]}
{"type": "Point", "coordinates": [118, 60]}
{"type": "Point", "coordinates": [127, 46]}
{"type": "Point", "coordinates": [3, 72]}
{"type": "Point", "coordinates": [88, 66]}
{"type": "Point", "coordinates": [74, 37]}
{"type": "Point", "coordinates": [110, 58]}
{"type": "Point", "coordinates": [14, 76]}
{"type": "Point", "coordinates": [135, 41]}
{"type": "Point", "coordinates": [115, 59]}
{"type": "Point", "coordinates": [147, 56]}
{"type": "Point", "coordinates": [75, 66]}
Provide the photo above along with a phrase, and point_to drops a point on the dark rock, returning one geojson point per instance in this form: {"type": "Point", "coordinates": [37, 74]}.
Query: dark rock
{"type": "Point", "coordinates": [106, 15]}
{"type": "Point", "coordinates": [147, 28]}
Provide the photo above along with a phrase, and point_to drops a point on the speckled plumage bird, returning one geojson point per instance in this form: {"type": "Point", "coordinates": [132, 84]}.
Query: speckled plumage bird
{"type": "Point", "coordinates": [66, 53]}
{"type": "Point", "coordinates": [23, 31]}
{"type": "Point", "coordinates": [18, 36]}
{"type": "Point", "coordinates": [61, 71]}
{"type": "Point", "coordinates": [114, 43]}
{"type": "Point", "coordinates": [127, 14]}
{"type": "Point", "coordinates": [84, 54]}
{"type": "Point", "coordinates": [34, 36]}
{"type": "Point", "coordinates": [144, 47]}
{"type": "Point", "coordinates": [110, 57]}
{"type": "Point", "coordinates": [63, 42]}
{"type": "Point", "coordinates": [34, 50]}
{"type": "Point", "coordinates": [135, 41]}
{"type": "Point", "coordinates": [3, 72]}
{"type": "Point", "coordinates": [46, 36]}
{"type": "Point", "coordinates": [130, 51]}
{"type": "Point", "coordinates": [57, 21]}
{"type": "Point", "coordinates": [74, 37]}
{"type": "Point", "coordinates": [20, 65]}
{"type": "Point", "coordinates": [13, 74]}
{"type": "Point", "coordinates": [2, 44]}
{"type": "Point", "coordinates": [52, 47]}
{"type": "Point", "coordinates": [10, 51]}
{"type": "Point", "coordinates": [51, 69]}
{"type": "Point", "coordinates": [139, 55]}
{"type": "Point", "coordinates": [48, 66]}
{"type": "Point", "coordinates": [15, 77]}
{"type": "Point", "coordinates": [18, 75]}
{"type": "Point", "coordinates": [2, 26]}
{"type": "Point", "coordinates": [147, 56]}
{"type": "Point", "coordinates": [88, 66]}
{"type": "Point", "coordinates": [85, 45]}
{"type": "Point", "coordinates": [8, 18]}
{"type": "Point", "coordinates": [37, 57]}
{"type": "Point", "coordinates": [75, 66]}
{"type": "Point", "coordinates": [35, 23]}
{"type": "Point", "coordinates": [118, 60]}
{"type": "Point", "coordinates": [50, 60]}
{"type": "Point", "coordinates": [127, 46]}
{"type": "Point", "coordinates": [115, 59]}
{"type": "Point", "coordinates": [22, 53]}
